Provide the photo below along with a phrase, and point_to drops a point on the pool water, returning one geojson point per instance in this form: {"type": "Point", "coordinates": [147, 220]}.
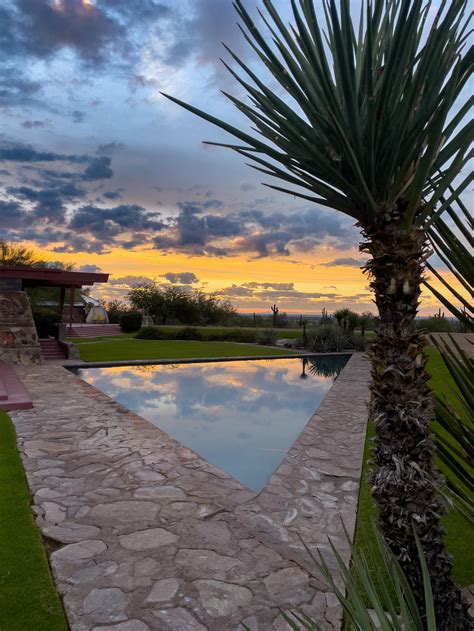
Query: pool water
{"type": "Point", "coordinates": [241, 416]}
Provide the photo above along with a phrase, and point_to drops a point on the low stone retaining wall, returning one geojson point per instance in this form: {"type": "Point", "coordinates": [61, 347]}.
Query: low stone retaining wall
{"type": "Point", "coordinates": [18, 339]}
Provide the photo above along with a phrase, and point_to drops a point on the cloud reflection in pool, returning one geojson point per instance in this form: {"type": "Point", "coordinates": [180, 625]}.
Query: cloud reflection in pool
{"type": "Point", "coordinates": [242, 416]}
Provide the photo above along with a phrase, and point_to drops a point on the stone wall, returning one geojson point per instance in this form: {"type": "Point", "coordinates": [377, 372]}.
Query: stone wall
{"type": "Point", "coordinates": [18, 339]}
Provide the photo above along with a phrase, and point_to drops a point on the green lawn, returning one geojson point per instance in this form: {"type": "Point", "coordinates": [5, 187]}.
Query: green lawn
{"type": "Point", "coordinates": [458, 542]}
{"type": "Point", "coordinates": [129, 349]}
{"type": "Point", "coordinates": [281, 333]}
{"type": "Point", "coordinates": [28, 598]}
{"type": "Point", "coordinates": [88, 340]}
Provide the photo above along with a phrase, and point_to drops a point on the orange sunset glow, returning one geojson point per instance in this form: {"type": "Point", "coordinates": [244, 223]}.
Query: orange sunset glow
{"type": "Point", "coordinates": [98, 169]}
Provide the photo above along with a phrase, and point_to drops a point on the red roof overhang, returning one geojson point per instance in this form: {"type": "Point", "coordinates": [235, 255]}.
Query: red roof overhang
{"type": "Point", "coordinates": [49, 277]}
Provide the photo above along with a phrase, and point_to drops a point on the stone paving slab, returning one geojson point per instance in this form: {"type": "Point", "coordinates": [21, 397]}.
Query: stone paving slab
{"type": "Point", "coordinates": [314, 492]}
{"type": "Point", "coordinates": [148, 535]}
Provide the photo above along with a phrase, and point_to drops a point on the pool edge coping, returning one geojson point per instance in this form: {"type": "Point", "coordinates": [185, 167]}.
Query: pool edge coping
{"type": "Point", "coordinates": [196, 360]}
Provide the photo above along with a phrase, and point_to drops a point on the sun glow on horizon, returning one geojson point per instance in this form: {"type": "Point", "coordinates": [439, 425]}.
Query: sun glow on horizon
{"type": "Point", "coordinates": [314, 286]}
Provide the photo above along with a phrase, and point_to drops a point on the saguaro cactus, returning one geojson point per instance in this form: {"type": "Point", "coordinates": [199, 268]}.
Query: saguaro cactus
{"type": "Point", "coordinates": [275, 311]}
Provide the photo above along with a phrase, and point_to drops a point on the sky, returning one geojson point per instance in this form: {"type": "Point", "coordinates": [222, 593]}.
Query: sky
{"type": "Point", "coordinates": [98, 169]}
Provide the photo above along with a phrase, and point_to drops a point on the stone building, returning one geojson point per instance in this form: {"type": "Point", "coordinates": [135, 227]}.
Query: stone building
{"type": "Point", "coordinates": [19, 342]}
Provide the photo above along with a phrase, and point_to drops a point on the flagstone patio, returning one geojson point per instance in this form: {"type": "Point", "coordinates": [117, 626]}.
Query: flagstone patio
{"type": "Point", "coordinates": [148, 535]}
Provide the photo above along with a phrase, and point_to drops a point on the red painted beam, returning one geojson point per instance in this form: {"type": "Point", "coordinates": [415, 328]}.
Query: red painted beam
{"type": "Point", "coordinates": [53, 277]}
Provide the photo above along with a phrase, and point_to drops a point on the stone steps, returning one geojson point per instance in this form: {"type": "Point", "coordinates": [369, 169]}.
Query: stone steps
{"type": "Point", "coordinates": [51, 349]}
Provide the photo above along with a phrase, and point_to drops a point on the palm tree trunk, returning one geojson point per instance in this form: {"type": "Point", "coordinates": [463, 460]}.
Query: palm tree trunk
{"type": "Point", "coordinates": [405, 477]}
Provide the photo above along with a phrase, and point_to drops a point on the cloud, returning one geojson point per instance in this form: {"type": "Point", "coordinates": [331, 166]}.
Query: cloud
{"type": "Point", "coordinates": [226, 233]}
{"type": "Point", "coordinates": [16, 89]}
{"type": "Point", "coordinates": [236, 291]}
{"type": "Point", "coordinates": [191, 231]}
{"type": "Point", "coordinates": [211, 17]}
{"type": "Point", "coordinates": [104, 223]}
{"type": "Point", "coordinates": [48, 203]}
{"type": "Point", "coordinates": [130, 281]}
{"type": "Point", "coordinates": [110, 147]}
{"type": "Point", "coordinates": [277, 286]}
{"type": "Point", "coordinates": [78, 116]}
{"type": "Point", "coordinates": [96, 32]}
{"type": "Point", "coordinates": [17, 152]}
{"type": "Point", "coordinates": [245, 186]}
{"type": "Point", "coordinates": [74, 243]}
{"type": "Point", "coordinates": [98, 169]}
{"type": "Point", "coordinates": [12, 215]}
{"type": "Point", "coordinates": [185, 278]}
{"type": "Point", "coordinates": [32, 124]}
{"type": "Point", "coordinates": [112, 195]}
{"type": "Point", "coordinates": [90, 268]}
{"type": "Point", "coordinates": [274, 294]}
{"type": "Point", "coordinates": [40, 29]}
{"type": "Point", "coordinates": [138, 10]}
{"type": "Point", "coordinates": [348, 261]}
{"type": "Point", "coordinates": [200, 228]}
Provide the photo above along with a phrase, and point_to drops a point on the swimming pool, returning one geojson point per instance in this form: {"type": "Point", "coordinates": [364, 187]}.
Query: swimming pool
{"type": "Point", "coordinates": [241, 416]}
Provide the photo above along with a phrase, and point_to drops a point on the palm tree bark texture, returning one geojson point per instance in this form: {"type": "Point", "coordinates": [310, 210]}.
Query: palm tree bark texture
{"type": "Point", "coordinates": [405, 479]}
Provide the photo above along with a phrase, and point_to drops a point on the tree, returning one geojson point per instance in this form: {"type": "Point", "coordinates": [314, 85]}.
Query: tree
{"type": "Point", "coordinates": [212, 309]}
{"type": "Point", "coordinates": [15, 255]}
{"type": "Point", "coordinates": [115, 308]}
{"type": "Point", "coordinates": [181, 304]}
{"type": "Point", "coordinates": [343, 317]}
{"type": "Point", "coordinates": [367, 127]}
{"type": "Point", "coordinates": [149, 300]}
{"type": "Point", "coordinates": [365, 320]}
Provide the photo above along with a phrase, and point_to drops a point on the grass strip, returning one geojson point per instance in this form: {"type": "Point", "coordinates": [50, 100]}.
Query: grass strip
{"type": "Point", "coordinates": [28, 598]}
{"type": "Point", "coordinates": [457, 539]}
{"type": "Point", "coordinates": [122, 350]}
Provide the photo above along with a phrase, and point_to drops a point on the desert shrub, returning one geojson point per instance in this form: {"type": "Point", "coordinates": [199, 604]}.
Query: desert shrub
{"type": "Point", "coordinates": [214, 336]}
{"type": "Point", "coordinates": [115, 309]}
{"type": "Point", "coordinates": [130, 321]}
{"type": "Point", "coordinates": [327, 338]}
{"type": "Point", "coordinates": [188, 333]}
{"type": "Point", "coordinates": [240, 335]}
{"type": "Point", "coordinates": [299, 341]}
{"type": "Point", "coordinates": [45, 322]}
{"type": "Point", "coordinates": [153, 333]}
{"type": "Point", "coordinates": [359, 343]}
{"type": "Point", "coordinates": [266, 337]}
{"type": "Point", "coordinates": [114, 316]}
{"type": "Point", "coordinates": [436, 324]}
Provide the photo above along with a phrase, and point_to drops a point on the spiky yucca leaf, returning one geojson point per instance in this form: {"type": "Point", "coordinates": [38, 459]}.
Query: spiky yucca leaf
{"type": "Point", "coordinates": [454, 431]}
{"type": "Point", "coordinates": [454, 246]}
{"type": "Point", "coordinates": [388, 592]}
{"type": "Point", "coordinates": [364, 120]}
